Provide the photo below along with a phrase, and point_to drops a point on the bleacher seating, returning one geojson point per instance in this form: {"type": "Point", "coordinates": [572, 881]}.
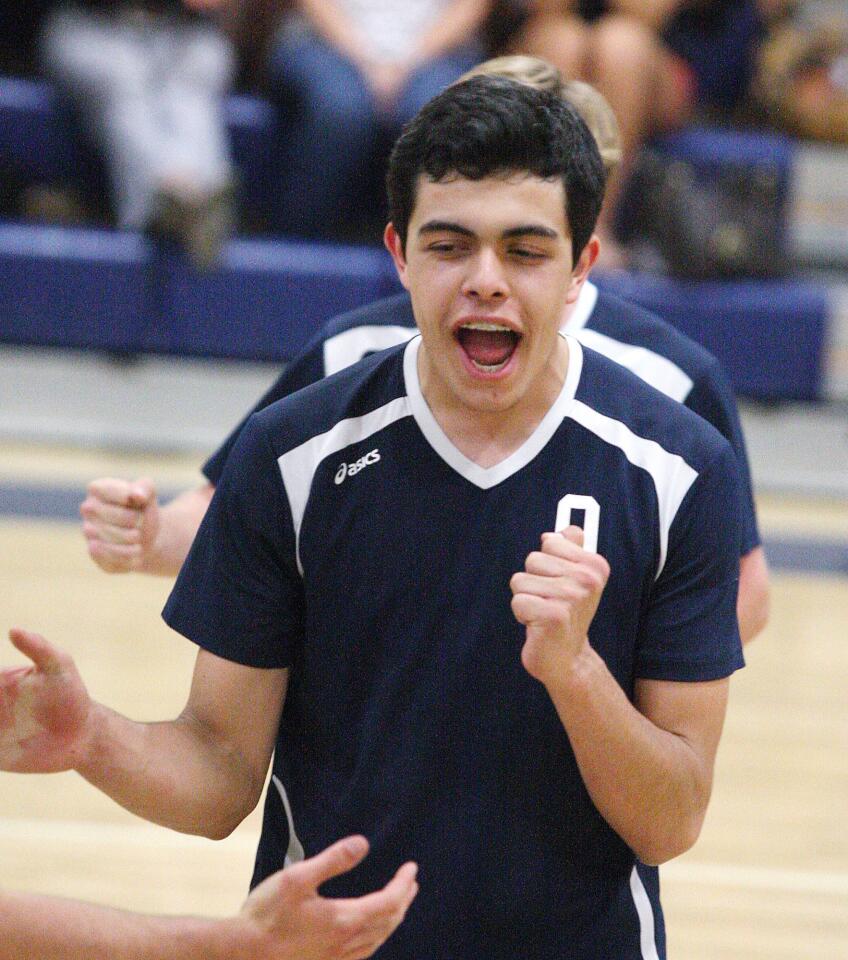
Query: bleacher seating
{"type": "Point", "coordinates": [114, 291]}
{"type": "Point", "coordinates": [35, 134]}
{"type": "Point", "coordinates": [105, 290]}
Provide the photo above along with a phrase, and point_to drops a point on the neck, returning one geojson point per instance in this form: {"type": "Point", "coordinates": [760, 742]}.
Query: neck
{"type": "Point", "coordinates": [486, 435]}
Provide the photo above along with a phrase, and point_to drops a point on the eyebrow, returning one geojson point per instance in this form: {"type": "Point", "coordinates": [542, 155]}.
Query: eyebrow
{"type": "Point", "coordinates": [524, 230]}
{"type": "Point", "coordinates": [444, 226]}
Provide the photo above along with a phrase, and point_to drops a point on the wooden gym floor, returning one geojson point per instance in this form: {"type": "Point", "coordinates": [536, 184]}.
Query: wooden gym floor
{"type": "Point", "coordinates": [768, 879]}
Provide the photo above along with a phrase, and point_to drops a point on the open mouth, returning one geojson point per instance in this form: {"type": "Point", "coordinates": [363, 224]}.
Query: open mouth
{"type": "Point", "coordinates": [489, 346]}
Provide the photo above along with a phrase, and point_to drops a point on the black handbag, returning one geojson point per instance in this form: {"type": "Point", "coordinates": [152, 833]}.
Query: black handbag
{"type": "Point", "coordinates": [725, 226]}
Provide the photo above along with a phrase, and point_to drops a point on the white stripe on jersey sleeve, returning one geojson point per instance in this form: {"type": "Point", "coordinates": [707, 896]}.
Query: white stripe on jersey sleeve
{"type": "Point", "coordinates": [350, 346]}
{"type": "Point", "coordinates": [671, 474]}
{"type": "Point", "coordinates": [656, 370]}
{"type": "Point", "coordinates": [298, 466]}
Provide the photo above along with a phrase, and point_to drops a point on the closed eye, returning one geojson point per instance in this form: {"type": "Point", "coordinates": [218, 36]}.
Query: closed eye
{"type": "Point", "coordinates": [446, 247]}
{"type": "Point", "coordinates": [526, 253]}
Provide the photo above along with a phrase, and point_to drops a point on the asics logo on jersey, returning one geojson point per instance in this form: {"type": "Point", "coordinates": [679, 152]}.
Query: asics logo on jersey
{"type": "Point", "coordinates": [350, 469]}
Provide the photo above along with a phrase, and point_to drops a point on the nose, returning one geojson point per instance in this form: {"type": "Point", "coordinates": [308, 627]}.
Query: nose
{"type": "Point", "coordinates": [486, 279]}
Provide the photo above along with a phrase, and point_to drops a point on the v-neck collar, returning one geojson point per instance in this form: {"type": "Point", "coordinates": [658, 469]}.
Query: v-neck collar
{"type": "Point", "coordinates": [487, 477]}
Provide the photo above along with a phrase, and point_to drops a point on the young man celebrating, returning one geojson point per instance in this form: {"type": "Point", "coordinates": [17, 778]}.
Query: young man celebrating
{"type": "Point", "coordinates": [392, 591]}
{"type": "Point", "coordinates": [126, 530]}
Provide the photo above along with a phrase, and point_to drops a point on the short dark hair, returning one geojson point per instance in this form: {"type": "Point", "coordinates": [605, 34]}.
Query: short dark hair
{"type": "Point", "coordinates": [492, 126]}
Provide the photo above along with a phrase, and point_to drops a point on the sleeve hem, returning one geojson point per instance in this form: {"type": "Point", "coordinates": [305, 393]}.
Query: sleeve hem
{"type": "Point", "coordinates": [267, 658]}
{"type": "Point", "coordinates": [688, 672]}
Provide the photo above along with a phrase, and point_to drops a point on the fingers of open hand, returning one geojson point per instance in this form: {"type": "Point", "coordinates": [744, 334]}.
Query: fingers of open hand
{"type": "Point", "coordinates": [44, 708]}
{"type": "Point", "coordinates": [10, 682]}
{"type": "Point", "coordinates": [338, 858]}
{"type": "Point", "coordinates": [370, 920]}
{"type": "Point", "coordinates": [43, 654]}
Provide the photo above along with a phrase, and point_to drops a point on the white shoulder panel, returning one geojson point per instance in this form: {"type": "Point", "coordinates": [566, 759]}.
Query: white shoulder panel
{"type": "Point", "coordinates": [298, 466]}
{"type": "Point", "coordinates": [656, 370]}
{"type": "Point", "coordinates": [350, 346]}
{"type": "Point", "coordinates": [671, 474]}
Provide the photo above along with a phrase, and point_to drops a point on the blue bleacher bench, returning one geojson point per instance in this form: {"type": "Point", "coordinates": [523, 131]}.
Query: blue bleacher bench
{"type": "Point", "coordinates": [113, 291]}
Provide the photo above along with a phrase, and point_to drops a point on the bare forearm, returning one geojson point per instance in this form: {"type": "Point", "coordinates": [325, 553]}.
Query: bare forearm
{"type": "Point", "coordinates": [455, 26]}
{"type": "Point", "coordinates": [172, 773]}
{"type": "Point", "coordinates": [649, 784]}
{"type": "Point", "coordinates": [48, 928]}
{"type": "Point", "coordinates": [179, 521]}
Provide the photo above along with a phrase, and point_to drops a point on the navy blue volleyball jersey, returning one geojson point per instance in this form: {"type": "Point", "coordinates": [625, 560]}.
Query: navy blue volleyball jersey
{"type": "Point", "coordinates": [639, 340]}
{"type": "Point", "coordinates": [349, 541]}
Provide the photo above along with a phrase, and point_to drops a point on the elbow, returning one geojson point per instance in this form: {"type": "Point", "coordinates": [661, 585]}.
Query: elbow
{"type": "Point", "coordinates": [753, 621]}
{"type": "Point", "coordinates": [752, 607]}
{"type": "Point", "coordinates": [219, 831]}
{"type": "Point", "coordinates": [755, 625]}
{"type": "Point", "coordinates": [672, 837]}
{"type": "Point", "coordinates": [655, 851]}
{"type": "Point", "coordinates": [224, 821]}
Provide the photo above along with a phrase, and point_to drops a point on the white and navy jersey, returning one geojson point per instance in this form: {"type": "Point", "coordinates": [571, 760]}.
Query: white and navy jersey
{"type": "Point", "coordinates": [648, 346]}
{"type": "Point", "coordinates": [350, 541]}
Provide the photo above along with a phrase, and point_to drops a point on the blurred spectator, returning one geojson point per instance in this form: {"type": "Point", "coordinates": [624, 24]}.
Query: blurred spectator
{"type": "Point", "coordinates": [251, 26]}
{"type": "Point", "coordinates": [147, 78]}
{"type": "Point", "coordinates": [801, 80]}
{"type": "Point", "coordinates": [653, 60]}
{"type": "Point", "coordinates": [348, 74]}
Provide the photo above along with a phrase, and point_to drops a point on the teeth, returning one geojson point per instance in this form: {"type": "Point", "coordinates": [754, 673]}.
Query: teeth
{"type": "Point", "coordinates": [490, 327]}
{"type": "Point", "coordinates": [490, 367]}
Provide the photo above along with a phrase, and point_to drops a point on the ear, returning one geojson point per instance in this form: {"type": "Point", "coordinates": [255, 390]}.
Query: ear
{"type": "Point", "coordinates": [392, 241]}
{"type": "Point", "coordinates": [581, 269]}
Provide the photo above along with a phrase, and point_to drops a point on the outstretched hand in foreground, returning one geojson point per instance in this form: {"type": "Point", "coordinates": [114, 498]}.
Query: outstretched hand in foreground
{"type": "Point", "coordinates": [291, 919]}
{"type": "Point", "coordinates": [44, 709]}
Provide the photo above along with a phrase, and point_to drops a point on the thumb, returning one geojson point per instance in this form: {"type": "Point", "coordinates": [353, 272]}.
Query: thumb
{"type": "Point", "coordinates": [142, 493]}
{"type": "Point", "coordinates": [34, 646]}
{"type": "Point", "coordinates": [342, 856]}
{"type": "Point", "coordinates": [574, 534]}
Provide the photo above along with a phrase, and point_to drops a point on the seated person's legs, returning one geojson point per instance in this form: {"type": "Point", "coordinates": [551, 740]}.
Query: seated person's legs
{"type": "Point", "coordinates": [101, 66]}
{"type": "Point", "coordinates": [327, 133]}
{"type": "Point", "coordinates": [193, 170]}
{"type": "Point", "coordinates": [432, 77]}
{"type": "Point", "coordinates": [642, 83]}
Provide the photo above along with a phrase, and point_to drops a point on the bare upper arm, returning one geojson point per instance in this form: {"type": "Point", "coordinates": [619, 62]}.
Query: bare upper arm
{"type": "Point", "coordinates": [694, 712]}
{"type": "Point", "coordinates": [239, 708]}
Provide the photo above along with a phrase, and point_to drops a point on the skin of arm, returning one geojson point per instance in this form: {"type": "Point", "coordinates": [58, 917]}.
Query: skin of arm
{"type": "Point", "coordinates": [283, 919]}
{"type": "Point", "coordinates": [128, 531]}
{"type": "Point", "coordinates": [201, 773]}
{"type": "Point", "coordinates": [752, 607]}
{"type": "Point", "coordinates": [647, 765]}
